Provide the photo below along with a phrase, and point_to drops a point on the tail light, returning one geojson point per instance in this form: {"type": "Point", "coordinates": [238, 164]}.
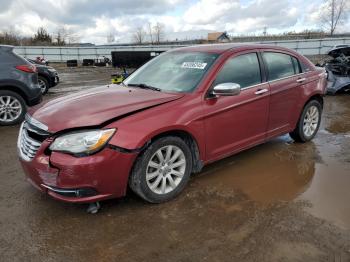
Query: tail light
{"type": "Point", "coordinates": [26, 68]}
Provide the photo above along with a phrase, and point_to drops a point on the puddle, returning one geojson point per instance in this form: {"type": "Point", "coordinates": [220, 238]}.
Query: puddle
{"type": "Point", "coordinates": [280, 170]}
{"type": "Point", "coordinates": [337, 114]}
{"type": "Point", "coordinates": [329, 191]}
{"type": "Point", "coordinates": [274, 171]}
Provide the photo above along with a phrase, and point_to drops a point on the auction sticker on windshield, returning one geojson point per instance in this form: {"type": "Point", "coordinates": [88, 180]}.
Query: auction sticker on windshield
{"type": "Point", "coordinates": [194, 65]}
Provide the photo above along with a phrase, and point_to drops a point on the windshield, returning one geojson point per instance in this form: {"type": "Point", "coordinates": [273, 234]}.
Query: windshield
{"type": "Point", "coordinates": [173, 71]}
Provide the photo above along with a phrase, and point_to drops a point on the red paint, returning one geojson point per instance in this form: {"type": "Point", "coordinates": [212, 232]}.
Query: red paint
{"type": "Point", "coordinates": [221, 126]}
{"type": "Point", "coordinates": [93, 107]}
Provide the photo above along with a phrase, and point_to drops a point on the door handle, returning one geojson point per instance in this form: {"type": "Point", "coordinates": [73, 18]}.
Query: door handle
{"type": "Point", "coordinates": [300, 80]}
{"type": "Point", "coordinates": [261, 91]}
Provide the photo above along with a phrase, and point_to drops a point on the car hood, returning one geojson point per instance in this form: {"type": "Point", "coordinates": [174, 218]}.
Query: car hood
{"type": "Point", "coordinates": [335, 52]}
{"type": "Point", "coordinates": [97, 106]}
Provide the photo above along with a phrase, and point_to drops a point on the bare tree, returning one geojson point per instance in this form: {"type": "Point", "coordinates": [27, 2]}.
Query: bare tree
{"type": "Point", "coordinates": [65, 35]}
{"type": "Point", "coordinates": [71, 36]}
{"type": "Point", "coordinates": [110, 38]}
{"type": "Point", "coordinates": [158, 30]}
{"type": "Point", "coordinates": [333, 14]}
{"type": "Point", "coordinates": [139, 35]}
{"type": "Point", "coordinates": [60, 37]}
{"type": "Point", "coordinates": [150, 32]}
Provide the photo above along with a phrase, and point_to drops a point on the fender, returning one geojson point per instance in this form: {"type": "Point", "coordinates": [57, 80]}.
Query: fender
{"type": "Point", "coordinates": [136, 131]}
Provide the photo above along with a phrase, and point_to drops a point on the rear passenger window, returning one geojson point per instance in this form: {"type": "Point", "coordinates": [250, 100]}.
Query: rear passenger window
{"type": "Point", "coordinates": [243, 70]}
{"type": "Point", "coordinates": [279, 65]}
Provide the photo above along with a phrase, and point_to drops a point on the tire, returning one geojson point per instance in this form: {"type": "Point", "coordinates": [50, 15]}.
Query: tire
{"type": "Point", "coordinates": [302, 133]}
{"type": "Point", "coordinates": [144, 176]}
{"type": "Point", "coordinates": [44, 84]}
{"type": "Point", "coordinates": [16, 108]}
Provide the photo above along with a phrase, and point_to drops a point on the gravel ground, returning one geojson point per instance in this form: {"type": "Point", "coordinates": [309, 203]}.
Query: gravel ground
{"type": "Point", "coordinates": [280, 201]}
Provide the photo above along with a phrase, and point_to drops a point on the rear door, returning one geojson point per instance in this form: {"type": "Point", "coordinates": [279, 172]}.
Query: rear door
{"type": "Point", "coordinates": [236, 122]}
{"type": "Point", "coordinates": [285, 79]}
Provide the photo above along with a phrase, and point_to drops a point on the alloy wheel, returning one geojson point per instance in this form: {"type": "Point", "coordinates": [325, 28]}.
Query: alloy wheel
{"type": "Point", "coordinates": [42, 85]}
{"type": "Point", "coordinates": [311, 120]}
{"type": "Point", "coordinates": [165, 169]}
{"type": "Point", "coordinates": [10, 108]}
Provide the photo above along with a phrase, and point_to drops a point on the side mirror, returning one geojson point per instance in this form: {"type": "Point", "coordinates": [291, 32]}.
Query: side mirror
{"type": "Point", "coordinates": [226, 89]}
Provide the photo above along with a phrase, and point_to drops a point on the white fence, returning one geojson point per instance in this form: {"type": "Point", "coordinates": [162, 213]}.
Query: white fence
{"type": "Point", "coordinates": [62, 54]}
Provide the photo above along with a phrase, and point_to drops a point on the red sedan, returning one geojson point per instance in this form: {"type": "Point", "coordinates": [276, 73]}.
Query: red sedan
{"type": "Point", "coordinates": [182, 110]}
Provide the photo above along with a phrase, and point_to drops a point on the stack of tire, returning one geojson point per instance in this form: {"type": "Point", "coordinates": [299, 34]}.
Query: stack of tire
{"type": "Point", "coordinates": [88, 62]}
{"type": "Point", "coordinates": [72, 63]}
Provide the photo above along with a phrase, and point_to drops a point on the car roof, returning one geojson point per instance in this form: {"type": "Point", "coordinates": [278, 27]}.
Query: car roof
{"type": "Point", "coordinates": [6, 47]}
{"type": "Point", "coordinates": [222, 48]}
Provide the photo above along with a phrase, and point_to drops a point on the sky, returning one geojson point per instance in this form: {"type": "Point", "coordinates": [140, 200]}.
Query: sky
{"type": "Point", "coordinates": [93, 20]}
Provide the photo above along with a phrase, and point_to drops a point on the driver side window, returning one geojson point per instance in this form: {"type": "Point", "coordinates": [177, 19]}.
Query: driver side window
{"type": "Point", "coordinates": [243, 70]}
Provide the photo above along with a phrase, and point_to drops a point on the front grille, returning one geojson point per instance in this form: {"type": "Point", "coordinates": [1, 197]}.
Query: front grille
{"type": "Point", "coordinates": [29, 141]}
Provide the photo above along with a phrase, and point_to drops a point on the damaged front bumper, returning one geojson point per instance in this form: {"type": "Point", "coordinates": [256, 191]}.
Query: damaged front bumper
{"type": "Point", "coordinates": [69, 178]}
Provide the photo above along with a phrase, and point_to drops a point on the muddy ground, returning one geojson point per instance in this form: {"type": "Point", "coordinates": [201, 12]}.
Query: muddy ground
{"type": "Point", "coordinates": [280, 201]}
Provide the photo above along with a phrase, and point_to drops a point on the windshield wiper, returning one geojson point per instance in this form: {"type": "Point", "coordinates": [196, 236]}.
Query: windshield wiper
{"type": "Point", "coordinates": [144, 86]}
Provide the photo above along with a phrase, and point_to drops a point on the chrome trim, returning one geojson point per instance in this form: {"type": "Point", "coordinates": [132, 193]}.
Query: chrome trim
{"type": "Point", "coordinates": [283, 78]}
{"type": "Point", "coordinates": [26, 146]}
{"type": "Point", "coordinates": [262, 91]}
{"type": "Point", "coordinates": [300, 80]}
{"type": "Point", "coordinates": [36, 123]}
{"type": "Point", "coordinates": [253, 86]}
{"type": "Point", "coordinates": [267, 82]}
{"type": "Point", "coordinates": [19, 140]}
{"type": "Point", "coordinates": [35, 129]}
{"type": "Point", "coordinates": [226, 89]}
{"type": "Point", "coordinates": [60, 191]}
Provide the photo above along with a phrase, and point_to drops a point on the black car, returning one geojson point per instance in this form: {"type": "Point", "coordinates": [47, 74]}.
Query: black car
{"type": "Point", "coordinates": [18, 86]}
{"type": "Point", "coordinates": [47, 76]}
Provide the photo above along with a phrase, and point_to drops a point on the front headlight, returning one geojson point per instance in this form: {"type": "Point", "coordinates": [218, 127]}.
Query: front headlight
{"type": "Point", "coordinates": [84, 142]}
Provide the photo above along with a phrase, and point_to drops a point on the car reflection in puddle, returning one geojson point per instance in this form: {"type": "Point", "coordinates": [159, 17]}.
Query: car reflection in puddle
{"type": "Point", "coordinates": [277, 170]}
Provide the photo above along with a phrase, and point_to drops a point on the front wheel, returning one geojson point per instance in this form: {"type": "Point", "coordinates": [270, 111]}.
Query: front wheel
{"type": "Point", "coordinates": [309, 122]}
{"type": "Point", "coordinates": [162, 171]}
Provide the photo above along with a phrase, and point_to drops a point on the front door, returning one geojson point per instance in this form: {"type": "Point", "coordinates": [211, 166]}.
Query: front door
{"type": "Point", "coordinates": [235, 122]}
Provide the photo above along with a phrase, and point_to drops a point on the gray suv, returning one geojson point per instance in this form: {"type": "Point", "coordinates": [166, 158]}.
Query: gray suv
{"type": "Point", "coordinates": [18, 86]}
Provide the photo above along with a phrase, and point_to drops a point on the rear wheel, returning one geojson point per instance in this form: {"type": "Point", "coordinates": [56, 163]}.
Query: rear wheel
{"type": "Point", "coordinates": [309, 122]}
{"type": "Point", "coordinates": [43, 84]}
{"type": "Point", "coordinates": [162, 171]}
{"type": "Point", "coordinates": [12, 108]}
